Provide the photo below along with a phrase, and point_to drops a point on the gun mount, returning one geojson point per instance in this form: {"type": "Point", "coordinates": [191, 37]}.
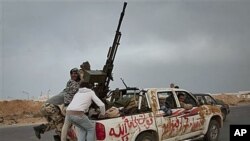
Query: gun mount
{"type": "Point", "coordinates": [101, 78]}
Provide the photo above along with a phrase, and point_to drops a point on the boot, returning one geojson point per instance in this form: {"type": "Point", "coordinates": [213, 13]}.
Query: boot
{"type": "Point", "coordinates": [57, 138]}
{"type": "Point", "coordinates": [39, 130]}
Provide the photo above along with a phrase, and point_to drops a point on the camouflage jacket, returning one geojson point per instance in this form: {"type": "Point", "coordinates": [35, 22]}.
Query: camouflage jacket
{"type": "Point", "coordinates": [70, 90]}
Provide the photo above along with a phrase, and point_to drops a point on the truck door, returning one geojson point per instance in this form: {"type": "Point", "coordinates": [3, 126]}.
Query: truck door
{"type": "Point", "coordinates": [192, 121]}
{"type": "Point", "coordinates": [169, 125]}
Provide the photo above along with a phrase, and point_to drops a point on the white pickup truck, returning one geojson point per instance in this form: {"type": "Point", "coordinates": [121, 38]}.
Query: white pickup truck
{"type": "Point", "coordinates": [150, 123]}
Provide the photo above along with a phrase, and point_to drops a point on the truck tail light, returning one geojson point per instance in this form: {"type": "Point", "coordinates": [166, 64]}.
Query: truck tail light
{"type": "Point", "coordinates": [100, 131]}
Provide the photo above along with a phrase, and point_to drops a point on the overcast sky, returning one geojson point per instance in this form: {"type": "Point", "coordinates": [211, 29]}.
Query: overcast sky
{"type": "Point", "coordinates": [200, 45]}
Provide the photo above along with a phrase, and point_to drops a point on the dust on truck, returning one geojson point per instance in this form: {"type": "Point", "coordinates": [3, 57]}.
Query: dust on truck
{"type": "Point", "coordinates": [149, 122]}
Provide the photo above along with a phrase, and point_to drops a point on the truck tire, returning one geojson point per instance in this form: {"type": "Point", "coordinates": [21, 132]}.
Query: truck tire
{"type": "Point", "coordinates": [224, 114]}
{"type": "Point", "coordinates": [213, 131]}
{"type": "Point", "coordinates": [146, 136]}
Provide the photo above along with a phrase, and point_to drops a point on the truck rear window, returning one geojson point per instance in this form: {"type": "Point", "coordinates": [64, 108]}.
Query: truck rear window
{"type": "Point", "coordinates": [166, 99]}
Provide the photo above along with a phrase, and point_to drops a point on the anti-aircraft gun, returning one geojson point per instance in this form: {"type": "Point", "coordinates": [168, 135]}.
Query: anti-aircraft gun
{"type": "Point", "coordinates": [101, 78]}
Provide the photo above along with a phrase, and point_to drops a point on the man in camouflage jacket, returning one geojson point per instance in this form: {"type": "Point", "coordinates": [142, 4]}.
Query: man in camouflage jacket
{"type": "Point", "coordinates": [51, 110]}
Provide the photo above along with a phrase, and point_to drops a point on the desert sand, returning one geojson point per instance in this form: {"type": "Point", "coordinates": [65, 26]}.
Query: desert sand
{"type": "Point", "coordinates": [20, 112]}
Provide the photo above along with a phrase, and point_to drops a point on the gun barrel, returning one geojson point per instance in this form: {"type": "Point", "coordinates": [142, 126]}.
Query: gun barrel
{"type": "Point", "coordinates": [104, 78]}
{"type": "Point", "coordinates": [101, 78]}
{"type": "Point", "coordinates": [116, 41]}
{"type": "Point", "coordinates": [121, 17]}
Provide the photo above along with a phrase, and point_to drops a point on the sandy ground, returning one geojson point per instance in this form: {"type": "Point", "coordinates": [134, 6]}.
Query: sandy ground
{"type": "Point", "coordinates": [232, 100]}
{"type": "Point", "coordinates": [22, 112]}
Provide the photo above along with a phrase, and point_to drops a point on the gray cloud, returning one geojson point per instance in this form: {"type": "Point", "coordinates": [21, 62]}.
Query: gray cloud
{"type": "Point", "coordinates": [199, 45]}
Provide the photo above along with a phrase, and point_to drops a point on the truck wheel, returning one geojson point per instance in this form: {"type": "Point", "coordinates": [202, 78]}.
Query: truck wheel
{"type": "Point", "coordinates": [146, 136]}
{"type": "Point", "coordinates": [213, 131]}
{"type": "Point", "coordinates": [224, 114]}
